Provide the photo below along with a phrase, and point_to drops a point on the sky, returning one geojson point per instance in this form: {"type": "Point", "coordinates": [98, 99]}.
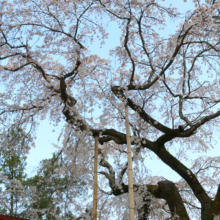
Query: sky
{"type": "Point", "coordinates": [48, 134]}
{"type": "Point", "coordinates": [45, 134]}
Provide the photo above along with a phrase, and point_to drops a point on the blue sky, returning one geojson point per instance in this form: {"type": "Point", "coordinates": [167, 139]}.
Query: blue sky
{"type": "Point", "coordinates": [45, 135]}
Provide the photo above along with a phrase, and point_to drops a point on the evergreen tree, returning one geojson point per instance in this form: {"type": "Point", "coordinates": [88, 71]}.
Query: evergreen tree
{"type": "Point", "coordinates": [12, 171]}
{"type": "Point", "coordinates": [52, 191]}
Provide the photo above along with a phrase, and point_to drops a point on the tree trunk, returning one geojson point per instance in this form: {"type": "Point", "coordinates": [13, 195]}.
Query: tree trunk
{"type": "Point", "coordinates": [12, 204]}
{"type": "Point", "coordinates": [169, 192]}
{"type": "Point", "coordinates": [12, 196]}
{"type": "Point", "coordinates": [206, 213]}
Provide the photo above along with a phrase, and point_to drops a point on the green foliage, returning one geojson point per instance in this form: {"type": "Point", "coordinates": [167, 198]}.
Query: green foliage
{"type": "Point", "coordinates": [49, 194]}
{"type": "Point", "coordinates": [52, 191]}
{"type": "Point", "coordinates": [13, 166]}
{"type": "Point", "coordinates": [13, 160]}
{"type": "Point", "coordinates": [12, 170]}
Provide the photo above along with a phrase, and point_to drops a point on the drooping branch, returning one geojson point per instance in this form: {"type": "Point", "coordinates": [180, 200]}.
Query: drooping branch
{"type": "Point", "coordinates": [176, 165]}
{"type": "Point", "coordinates": [183, 171]}
{"type": "Point", "coordinates": [164, 190]}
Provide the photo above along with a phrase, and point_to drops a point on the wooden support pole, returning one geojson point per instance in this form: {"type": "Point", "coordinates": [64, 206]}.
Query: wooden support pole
{"type": "Point", "coordinates": [95, 197]}
{"type": "Point", "coordinates": [130, 171]}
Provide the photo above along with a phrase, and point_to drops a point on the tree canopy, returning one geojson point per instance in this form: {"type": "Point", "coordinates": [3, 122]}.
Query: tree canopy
{"type": "Point", "coordinates": [165, 68]}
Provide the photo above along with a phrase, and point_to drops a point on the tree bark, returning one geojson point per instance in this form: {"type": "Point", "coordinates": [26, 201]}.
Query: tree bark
{"type": "Point", "coordinates": [184, 172]}
{"type": "Point", "coordinates": [12, 205]}
{"type": "Point", "coordinates": [169, 192]}
{"type": "Point", "coordinates": [164, 190]}
{"type": "Point", "coordinates": [206, 212]}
